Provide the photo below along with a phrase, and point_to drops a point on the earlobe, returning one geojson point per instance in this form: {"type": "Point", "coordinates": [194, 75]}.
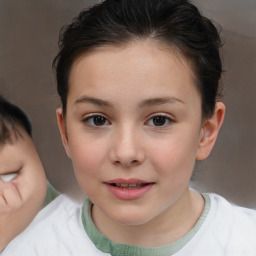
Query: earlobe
{"type": "Point", "coordinates": [63, 130]}
{"type": "Point", "coordinates": [209, 132]}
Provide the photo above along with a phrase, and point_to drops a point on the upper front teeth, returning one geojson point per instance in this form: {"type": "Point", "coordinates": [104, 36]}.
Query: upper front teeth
{"type": "Point", "coordinates": [128, 185]}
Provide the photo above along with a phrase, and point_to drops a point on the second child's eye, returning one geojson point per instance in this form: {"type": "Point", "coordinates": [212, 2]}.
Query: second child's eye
{"type": "Point", "coordinates": [9, 176]}
{"type": "Point", "coordinates": [159, 121]}
{"type": "Point", "coordinates": [96, 120]}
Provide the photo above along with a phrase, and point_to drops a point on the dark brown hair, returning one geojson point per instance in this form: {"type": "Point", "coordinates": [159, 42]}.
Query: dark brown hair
{"type": "Point", "coordinates": [177, 23]}
{"type": "Point", "coordinates": [11, 116]}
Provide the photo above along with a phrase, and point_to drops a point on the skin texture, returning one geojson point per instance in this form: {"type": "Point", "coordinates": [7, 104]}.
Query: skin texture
{"type": "Point", "coordinates": [129, 86]}
{"type": "Point", "coordinates": [22, 197]}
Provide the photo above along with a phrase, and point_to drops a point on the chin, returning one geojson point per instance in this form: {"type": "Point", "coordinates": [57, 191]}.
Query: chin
{"type": "Point", "coordinates": [129, 218]}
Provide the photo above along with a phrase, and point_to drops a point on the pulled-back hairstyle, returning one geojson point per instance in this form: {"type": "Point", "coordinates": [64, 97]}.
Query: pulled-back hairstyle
{"type": "Point", "coordinates": [176, 23]}
{"type": "Point", "coordinates": [11, 116]}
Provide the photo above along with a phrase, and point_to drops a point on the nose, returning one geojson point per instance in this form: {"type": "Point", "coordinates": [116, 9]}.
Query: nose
{"type": "Point", "coordinates": [126, 149]}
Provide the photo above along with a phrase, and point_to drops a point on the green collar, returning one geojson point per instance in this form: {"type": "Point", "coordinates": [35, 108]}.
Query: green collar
{"type": "Point", "coordinates": [116, 249]}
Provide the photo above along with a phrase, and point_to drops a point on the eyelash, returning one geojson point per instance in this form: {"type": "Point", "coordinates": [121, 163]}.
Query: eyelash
{"type": "Point", "coordinates": [90, 120]}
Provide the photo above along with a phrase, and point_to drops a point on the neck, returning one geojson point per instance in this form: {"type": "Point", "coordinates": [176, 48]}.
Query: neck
{"type": "Point", "coordinates": [168, 227]}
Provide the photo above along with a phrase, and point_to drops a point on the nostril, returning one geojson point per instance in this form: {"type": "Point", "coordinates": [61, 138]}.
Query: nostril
{"type": "Point", "coordinates": [133, 163]}
{"type": "Point", "coordinates": [127, 163]}
{"type": "Point", "coordinates": [117, 162]}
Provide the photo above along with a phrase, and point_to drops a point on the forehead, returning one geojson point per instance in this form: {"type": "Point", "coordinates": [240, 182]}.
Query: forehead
{"type": "Point", "coordinates": [140, 58]}
{"type": "Point", "coordinates": [7, 133]}
{"type": "Point", "coordinates": [16, 151]}
{"type": "Point", "coordinates": [11, 134]}
{"type": "Point", "coordinates": [151, 48]}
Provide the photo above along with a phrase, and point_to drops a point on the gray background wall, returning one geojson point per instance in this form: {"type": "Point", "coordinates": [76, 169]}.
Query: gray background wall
{"type": "Point", "coordinates": [28, 43]}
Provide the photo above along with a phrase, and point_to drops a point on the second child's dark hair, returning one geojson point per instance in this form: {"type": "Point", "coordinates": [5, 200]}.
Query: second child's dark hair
{"type": "Point", "coordinates": [176, 23]}
{"type": "Point", "coordinates": [11, 116]}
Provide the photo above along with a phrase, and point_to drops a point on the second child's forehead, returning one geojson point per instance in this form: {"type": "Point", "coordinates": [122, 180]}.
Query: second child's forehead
{"type": "Point", "coordinates": [13, 135]}
{"type": "Point", "coordinates": [7, 133]}
{"type": "Point", "coordinates": [13, 153]}
{"type": "Point", "coordinates": [16, 149]}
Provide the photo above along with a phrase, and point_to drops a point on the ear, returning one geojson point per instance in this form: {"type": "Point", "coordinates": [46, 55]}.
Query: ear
{"type": "Point", "coordinates": [209, 132]}
{"type": "Point", "coordinates": [63, 130]}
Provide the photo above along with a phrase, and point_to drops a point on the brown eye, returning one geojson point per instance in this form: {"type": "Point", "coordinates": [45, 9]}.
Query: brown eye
{"type": "Point", "coordinates": [96, 120]}
{"type": "Point", "coordinates": [99, 120]}
{"type": "Point", "coordinates": [159, 121]}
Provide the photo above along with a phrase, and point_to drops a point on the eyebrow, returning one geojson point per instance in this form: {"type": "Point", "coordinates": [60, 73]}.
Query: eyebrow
{"type": "Point", "coordinates": [144, 103]}
{"type": "Point", "coordinates": [160, 101]}
{"type": "Point", "coordinates": [95, 101]}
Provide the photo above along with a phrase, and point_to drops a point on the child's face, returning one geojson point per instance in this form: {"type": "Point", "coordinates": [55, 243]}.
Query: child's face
{"type": "Point", "coordinates": [133, 117]}
{"type": "Point", "coordinates": [26, 192]}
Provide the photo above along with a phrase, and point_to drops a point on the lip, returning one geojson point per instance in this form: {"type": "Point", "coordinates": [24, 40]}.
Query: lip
{"type": "Point", "coordinates": [130, 193]}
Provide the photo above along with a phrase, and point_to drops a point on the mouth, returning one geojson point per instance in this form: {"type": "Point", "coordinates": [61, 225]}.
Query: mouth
{"type": "Point", "coordinates": [129, 189]}
{"type": "Point", "coordinates": [129, 186]}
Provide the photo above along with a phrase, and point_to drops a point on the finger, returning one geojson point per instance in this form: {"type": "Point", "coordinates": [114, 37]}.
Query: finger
{"type": "Point", "coordinates": [4, 208]}
{"type": "Point", "coordinates": [2, 200]}
{"type": "Point", "coordinates": [12, 196]}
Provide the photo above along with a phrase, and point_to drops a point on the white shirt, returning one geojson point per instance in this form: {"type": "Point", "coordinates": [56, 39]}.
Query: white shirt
{"type": "Point", "coordinates": [57, 230]}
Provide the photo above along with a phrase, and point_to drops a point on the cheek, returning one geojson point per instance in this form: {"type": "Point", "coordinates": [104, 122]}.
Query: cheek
{"type": "Point", "coordinates": [174, 157]}
{"type": "Point", "coordinates": [87, 158]}
{"type": "Point", "coordinates": [32, 181]}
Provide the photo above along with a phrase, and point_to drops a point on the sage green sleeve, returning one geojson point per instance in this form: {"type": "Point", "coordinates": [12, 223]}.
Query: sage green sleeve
{"type": "Point", "coordinates": [51, 194]}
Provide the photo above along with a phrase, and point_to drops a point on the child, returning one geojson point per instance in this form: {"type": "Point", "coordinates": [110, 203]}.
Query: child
{"type": "Point", "coordinates": [22, 177]}
{"type": "Point", "coordinates": [139, 82]}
